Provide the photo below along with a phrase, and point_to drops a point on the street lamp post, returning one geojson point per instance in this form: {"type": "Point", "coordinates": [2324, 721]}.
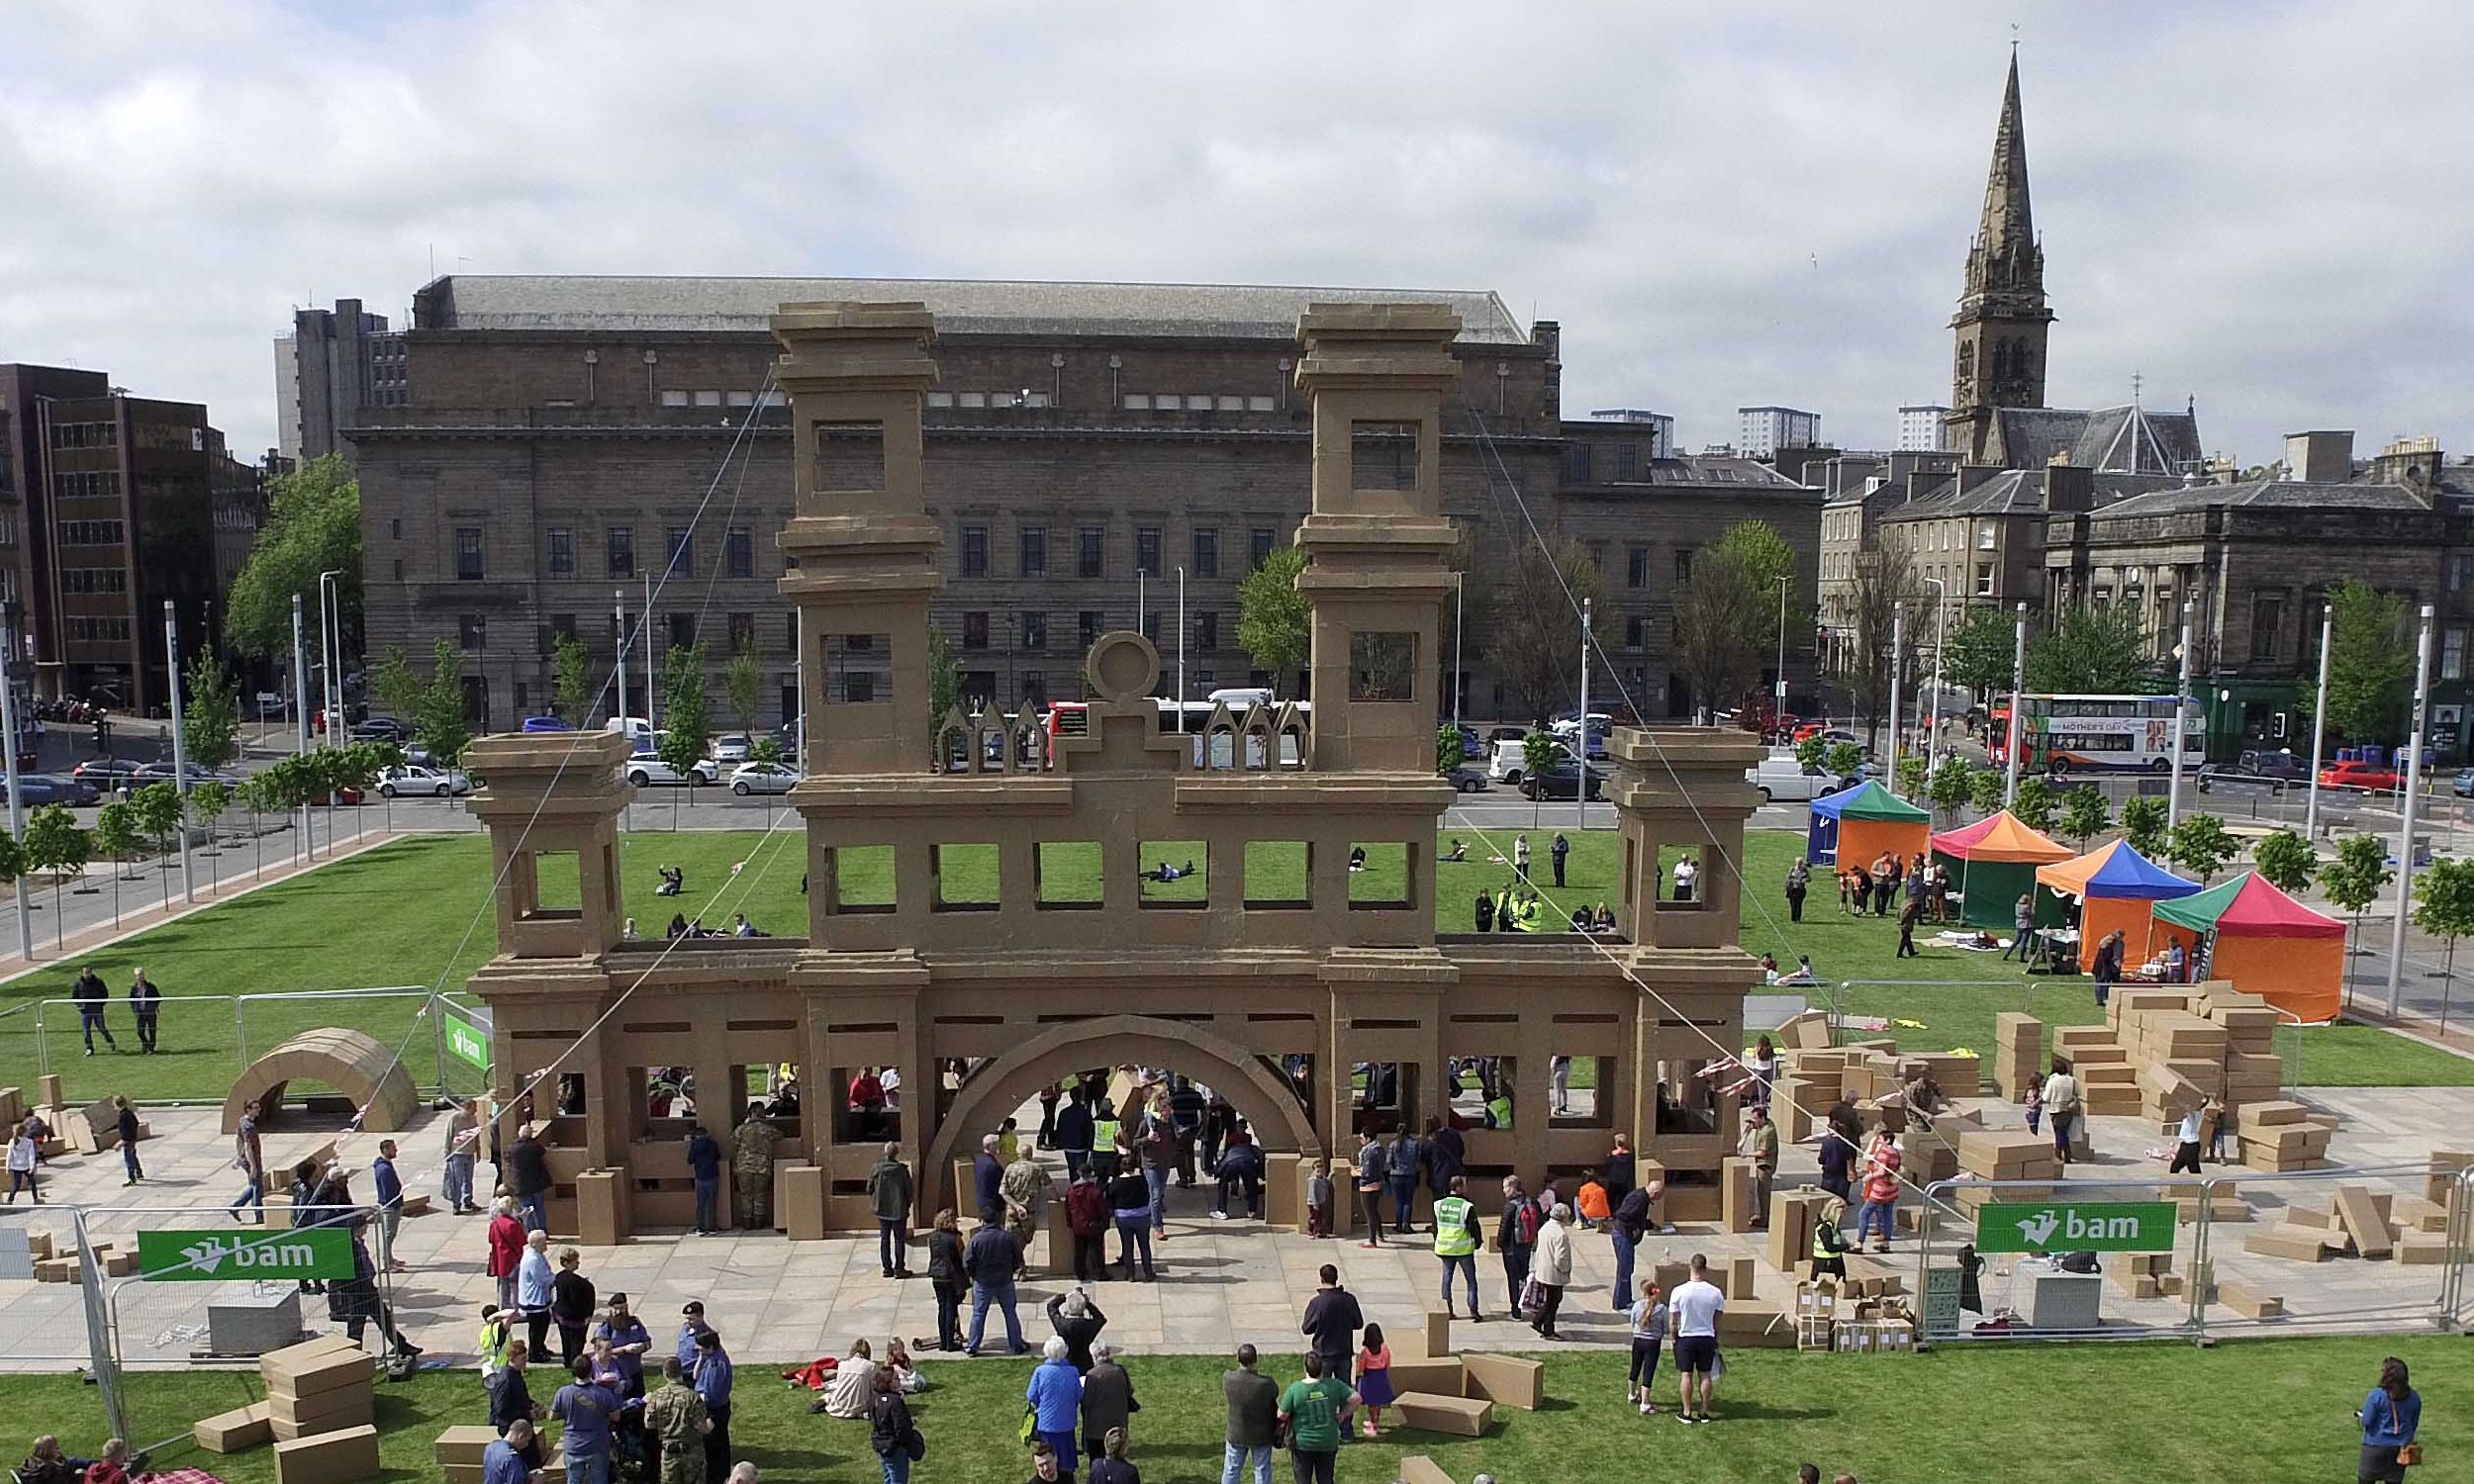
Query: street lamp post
{"type": "Point", "coordinates": [2318, 725]}
{"type": "Point", "coordinates": [330, 619]}
{"type": "Point", "coordinates": [1933, 727]}
{"type": "Point", "coordinates": [1898, 647]}
{"type": "Point", "coordinates": [618, 616]}
{"type": "Point", "coordinates": [181, 751]}
{"type": "Point", "coordinates": [1580, 779]}
{"type": "Point", "coordinates": [17, 800]}
{"type": "Point", "coordinates": [2018, 686]}
{"type": "Point", "coordinates": [1779, 702]}
{"type": "Point", "coordinates": [301, 716]}
{"type": "Point", "coordinates": [1459, 608]}
{"type": "Point", "coordinates": [1180, 648]}
{"type": "Point", "coordinates": [2414, 796]}
{"type": "Point", "coordinates": [2181, 705]}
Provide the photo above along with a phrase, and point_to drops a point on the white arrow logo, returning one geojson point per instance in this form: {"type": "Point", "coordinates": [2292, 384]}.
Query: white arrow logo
{"type": "Point", "coordinates": [2040, 1228]}
{"type": "Point", "coordinates": [207, 1255]}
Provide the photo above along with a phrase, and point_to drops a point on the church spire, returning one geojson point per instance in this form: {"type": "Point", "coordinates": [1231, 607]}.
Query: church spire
{"type": "Point", "coordinates": [2006, 251]}
{"type": "Point", "coordinates": [2000, 328]}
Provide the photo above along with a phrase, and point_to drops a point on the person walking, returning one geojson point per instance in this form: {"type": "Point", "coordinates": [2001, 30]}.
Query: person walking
{"type": "Point", "coordinates": [2106, 971]}
{"type": "Point", "coordinates": [1761, 1146]}
{"type": "Point", "coordinates": [125, 1125]}
{"type": "Point", "coordinates": [1553, 1268]}
{"type": "Point", "coordinates": [1332, 1320]}
{"type": "Point", "coordinates": [1839, 1135]}
{"type": "Point", "coordinates": [25, 1154]}
{"type": "Point", "coordinates": [892, 1434]}
{"type": "Point", "coordinates": [2022, 926]}
{"type": "Point", "coordinates": [1129, 1208]}
{"type": "Point", "coordinates": [145, 1006]}
{"type": "Point", "coordinates": [1316, 1410]}
{"type": "Point", "coordinates": [2390, 1416]}
{"type": "Point", "coordinates": [703, 1163]}
{"type": "Point", "coordinates": [463, 1139]}
{"type": "Point", "coordinates": [1373, 1175]}
{"type": "Point", "coordinates": [1799, 881]}
{"type": "Point", "coordinates": [1693, 1309]}
{"type": "Point", "coordinates": [888, 1196]}
{"type": "Point", "coordinates": [1407, 1158]}
{"type": "Point", "coordinates": [2061, 1105]}
{"type": "Point", "coordinates": [1456, 1239]}
{"type": "Point", "coordinates": [751, 1168]}
{"type": "Point", "coordinates": [1054, 1399]}
{"type": "Point", "coordinates": [528, 1179]}
{"type": "Point", "coordinates": [1515, 1237]}
{"type": "Point", "coordinates": [949, 1276]}
{"type": "Point", "coordinates": [250, 1158]}
{"type": "Point", "coordinates": [1555, 854]}
{"type": "Point", "coordinates": [1878, 1215]}
{"type": "Point", "coordinates": [1907, 917]}
{"type": "Point", "coordinates": [1109, 1402]}
{"type": "Point", "coordinates": [573, 1303]}
{"type": "Point", "coordinates": [1647, 1317]}
{"type": "Point", "coordinates": [505, 1239]}
{"type": "Point", "coordinates": [678, 1422]}
{"type": "Point", "coordinates": [992, 1258]}
{"type": "Point", "coordinates": [1374, 1385]}
{"type": "Point", "coordinates": [91, 996]}
{"type": "Point", "coordinates": [2187, 1139]}
{"type": "Point", "coordinates": [713, 1379]}
{"type": "Point", "coordinates": [1252, 1400]}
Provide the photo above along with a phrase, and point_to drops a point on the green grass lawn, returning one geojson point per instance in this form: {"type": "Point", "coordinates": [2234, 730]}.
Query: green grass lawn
{"type": "Point", "coordinates": [2026, 1415]}
{"type": "Point", "coordinates": [416, 913]}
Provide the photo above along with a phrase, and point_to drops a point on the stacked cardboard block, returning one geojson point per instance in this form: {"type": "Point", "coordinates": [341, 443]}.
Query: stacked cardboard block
{"type": "Point", "coordinates": [1876, 1336]}
{"type": "Point", "coordinates": [2226, 1204]}
{"type": "Point", "coordinates": [2440, 1187]}
{"type": "Point", "coordinates": [2007, 1155]}
{"type": "Point", "coordinates": [2108, 1082]}
{"type": "Point", "coordinates": [1816, 1311]}
{"type": "Point", "coordinates": [2357, 1222]}
{"type": "Point", "coordinates": [327, 1457]}
{"type": "Point", "coordinates": [249, 1427]}
{"type": "Point", "coordinates": [2018, 1054]}
{"type": "Point", "coordinates": [320, 1387]}
{"type": "Point", "coordinates": [2141, 1275]}
{"type": "Point", "coordinates": [1792, 1214]}
{"type": "Point", "coordinates": [2281, 1136]}
{"type": "Point", "coordinates": [1809, 1031]}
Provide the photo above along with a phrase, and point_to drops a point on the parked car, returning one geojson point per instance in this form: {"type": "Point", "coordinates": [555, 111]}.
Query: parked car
{"type": "Point", "coordinates": [2273, 768]}
{"type": "Point", "coordinates": [1467, 779]}
{"type": "Point", "coordinates": [51, 787]}
{"type": "Point", "coordinates": [1560, 781]}
{"type": "Point", "coordinates": [1511, 760]}
{"type": "Point", "coordinates": [546, 724]}
{"type": "Point", "coordinates": [1779, 776]}
{"type": "Point", "coordinates": [763, 778]}
{"type": "Point", "coordinates": [646, 769]}
{"type": "Point", "coordinates": [412, 779]}
{"type": "Point", "coordinates": [732, 748]}
{"type": "Point", "coordinates": [106, 775]}
{"type": "Point", "coordinates": [1473, 746]}
{"type": "Point", "coordinates": [382, 729]}
{"type": "Point", "coordinates": [161, 773]}
{"type": "Point", "coordinates": [2464, 787]}
{"type": "Point", "coordinates": [2370, 777]}
{"type": "Point", "coordinates": [635, 727]}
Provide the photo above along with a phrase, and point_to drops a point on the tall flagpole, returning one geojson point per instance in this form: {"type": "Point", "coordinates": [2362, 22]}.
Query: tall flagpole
{"type": "Point", "coordinates": [2318, 725]}
{"type": "Point", "coordinates": [2414, 795]}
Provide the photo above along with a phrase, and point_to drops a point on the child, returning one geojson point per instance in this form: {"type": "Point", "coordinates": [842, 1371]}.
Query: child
{"type": "Point", "coordinates": [1319, 1202]}
{"type": "Point", "coordinates": [24, 1156]}
{"type": "Point", "coordinates": [1649, 1337]}
{"type": "Point", "coordinates": [1008, 1142]}
{"type": "Point", "coordinates": [907, 1377]}
{"type": "Point", "coordinates": [1374, 1377]}
{"type": "Point", "coordinates": [1591, 1203]}
{"type": "Point", "coordinates": [2215, 1129]}
{"type": "Point", "coordinates": [2036, 1104]}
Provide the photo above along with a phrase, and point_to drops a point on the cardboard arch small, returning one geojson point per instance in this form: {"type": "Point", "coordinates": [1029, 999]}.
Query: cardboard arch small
{"type": "Point", "coordinates": [352, 1062]}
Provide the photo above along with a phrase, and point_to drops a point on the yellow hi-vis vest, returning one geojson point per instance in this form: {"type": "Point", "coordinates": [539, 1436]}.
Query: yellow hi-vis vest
{"type": "Point", "coordinates": [1103, 1133]}
{"type": "Point", "coordinates": [1453, 1237]}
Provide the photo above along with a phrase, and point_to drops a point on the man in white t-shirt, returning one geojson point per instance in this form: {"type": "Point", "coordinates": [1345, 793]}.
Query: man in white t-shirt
{"type": "Point", "coordinates": [1695, 1307]}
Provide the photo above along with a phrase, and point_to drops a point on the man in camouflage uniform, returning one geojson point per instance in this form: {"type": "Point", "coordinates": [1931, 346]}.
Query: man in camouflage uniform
{"type": "Point", "coordinates": [676, 1419]}
{"type": "Point", "coordinates": [751, 1164]}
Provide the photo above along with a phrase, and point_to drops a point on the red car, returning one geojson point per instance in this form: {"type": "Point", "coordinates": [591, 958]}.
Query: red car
{"type": "Point", "coordinates": [2366, 775]}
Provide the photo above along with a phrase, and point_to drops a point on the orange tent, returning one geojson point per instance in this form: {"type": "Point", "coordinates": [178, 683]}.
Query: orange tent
{"type": "Point", "coordinates": [2118, 890]}
{"type": "Point", "coordinates": [2266, 943]}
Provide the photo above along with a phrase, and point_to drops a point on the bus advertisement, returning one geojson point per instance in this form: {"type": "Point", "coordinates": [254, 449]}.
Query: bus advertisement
{"type": "Point", "coordinates": [2067, 734]}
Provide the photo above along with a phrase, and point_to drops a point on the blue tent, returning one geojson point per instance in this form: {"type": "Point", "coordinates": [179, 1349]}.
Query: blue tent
{"type": "Point", "coordinates": [1880, 819]}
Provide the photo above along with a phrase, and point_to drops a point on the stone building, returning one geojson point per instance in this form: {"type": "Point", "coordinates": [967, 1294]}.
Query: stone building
{"type": "Point", "coordinates": [335, 365]}
{"type": "Point", "coordinates": [952, 936]}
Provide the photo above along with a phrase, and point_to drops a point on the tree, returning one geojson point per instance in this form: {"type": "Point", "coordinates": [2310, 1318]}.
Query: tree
{"type": "Point", "coordinates": [1911, 776]}
{"type": "Point", "coordinates": [1950, 785]}
{"type": "Point", "coordinates": [2034, 802]}
{"type": "Point", "coordinates": [1539, 752]}
{"type": "Point", "coordinates": [1449, 751]}
{"type": "Point", "coordinates": [159, 814]}
{"type": "Point", "coordinates": [54, 843]}
{"type": "Point", "coordinates": [116, 832]}
{"type": "Point", "coordinates": [206, 802]}
{"type": "Point", "coordinates": [2371, 663]}
{"type": "Point", "coordinates": [1536, 645]}
{"type": "Point", "coordinates": [2091, 652]}
{"type": "Point", "coordinates": [1978, 653]}
{"type": "Point", "coordinates": [2444, 907]}
{"type": "Point", "coordinates": [1272, 616]}
{"type": "Point", "coordinates": [2201, 845]}
{"type": "Point", "coordinates": [1883, 580]}
{"type": "Point", "coordinates": [741, 680]}
{"type": "Point", "coordinates": [683, 746]}
{"type": "Point", "coordinates": [1812, 752]}
{"type": "Point", "coordinates": [2352, 881]}
{"type": "Point", "coordinates": [944, 679]}
{"type": "Point", "coordinates": [313, 525]}
{"type": "Point", "coordinates": [210, 720]}
{"type": "Point", "coordinates": [2084, 814]}
{"type": "Point", "coordinates": [2144, 824]}
{"type": "Point", "coordinates": [767, 748]}
{"type": "Point", "coordinates": [572, 689]}
{"type": "Point", "coordinates": [1845, 758]}
{"type": "Point", "coordinates": [1727, 612]}
{"type": "Point", "coordinates": [1985, 790]}
{"type": "Point", "coordinates": [393, 681]}
{"type": "Point", "coordinates": [440, 722]}
{"type": "Point", "coordinates": [2285, 860]}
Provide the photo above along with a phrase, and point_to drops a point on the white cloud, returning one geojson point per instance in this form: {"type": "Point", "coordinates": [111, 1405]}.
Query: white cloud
{"type": "Point", "coordinates": [2263, 205]}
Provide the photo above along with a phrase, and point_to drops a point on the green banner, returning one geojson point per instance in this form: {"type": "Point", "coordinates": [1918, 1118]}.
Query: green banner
{"type": "Point", "coordinates": [468, 1042]}
{"type": "Point", "coordinates": [2075, 1227]}
{"type": "Point", "coordinates": [220, 1256]}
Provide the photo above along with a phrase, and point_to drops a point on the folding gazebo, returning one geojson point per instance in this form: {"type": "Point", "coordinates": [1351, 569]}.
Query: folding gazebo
{"type": "Point", "coordinates": [1856, 825]}
{"type": "Point", "coordinates": [2266, 942]}
{"type": "Point", "coordinates": [2118, 889]}
{"type": "Point", "coordinates": [1992, 863]}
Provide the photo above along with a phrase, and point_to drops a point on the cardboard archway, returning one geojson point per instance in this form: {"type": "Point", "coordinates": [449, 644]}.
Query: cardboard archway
{"type": "Point", "coordinates": [355, 1064]}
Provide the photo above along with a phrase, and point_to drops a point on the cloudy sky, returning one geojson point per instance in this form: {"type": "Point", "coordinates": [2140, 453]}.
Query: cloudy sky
{"type": "Point", "coordinates": [2262, 205]}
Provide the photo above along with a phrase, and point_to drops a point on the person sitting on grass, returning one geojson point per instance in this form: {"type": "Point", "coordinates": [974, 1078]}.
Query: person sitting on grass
{"type": "Point", "coordinates": [47, 1464]}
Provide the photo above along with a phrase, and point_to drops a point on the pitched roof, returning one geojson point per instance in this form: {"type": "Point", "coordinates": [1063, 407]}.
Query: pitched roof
{"type": "Point", "coordinates": [1868, 800]}
{"type": "Point", "coordinates": [2021, 492]}
{"type": "Point", "coordinates": [2124, 439]}
{"type": "Point", "coordinates": [1999, 837]}
{"type": "Point", "coordinates": [962, 305]}
{"type": "Point", "coordinates": [2268, 494]}
{"type": "Point", "coordinates": [2248, 906]}
{"type": "Point", "coordinates": [2114, 870]}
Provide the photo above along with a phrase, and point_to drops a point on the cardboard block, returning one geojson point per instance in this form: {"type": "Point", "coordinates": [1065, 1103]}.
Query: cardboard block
{"type": "Point", "coordinates": [1755, 1324]}
{"type": "Point", "coordinates": [1428, 1411]}
{"type": "Point", "coordinates": [323, 1412]}
{"type": "Point", "coordinates": [1505, 1380]}
{"type": "Point", "coordinates": [2250, 1304]}
{"type": "Point", "coordinates": [1440, 1374]}
{"type": "Point", "coordinates": [1808, 1029]}
{"type": "Point", "coordinates": [1791, 1217]}
{"type": "Point", "coordinates": [2268, 1115]}
{"type": "Point", "coordinates": [331, 1458]}
{"type": "Point", "coordinates": [1739, 1277]}
{"type": "Point", "coordinates": [48, 1091]}
{"type": "Point", "coordinates": [1417, 1468]}
{"type": "Point", "coordinates": [2363, 1222]}
{"type": "Point", "coordinates": [1735, 1177]}
{"type": "Point", "coordinates": [2301, 1243]}
{"type": "Point", "coordinates": [2421, 1248]}
{"type": "Point", "coordinates": [463, 1443]}
{"type": "Point", "coordinates": [602, 1213]}
{"type": "Point", "coordinates": [241, 1427]}
{"type": "Point", "coordinates": [317, 1374]}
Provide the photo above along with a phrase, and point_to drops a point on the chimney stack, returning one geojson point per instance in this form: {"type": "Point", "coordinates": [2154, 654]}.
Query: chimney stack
{"type": "Point", "coordinates": [2322, 457]}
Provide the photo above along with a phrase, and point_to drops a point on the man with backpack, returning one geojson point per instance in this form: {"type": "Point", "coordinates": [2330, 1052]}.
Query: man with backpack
{"type": "Point", "coordinates": [1516, 1237]}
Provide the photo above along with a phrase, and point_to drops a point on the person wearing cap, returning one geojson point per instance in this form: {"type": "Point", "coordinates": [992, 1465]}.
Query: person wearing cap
{"type": "Point", "coordinates": [691, 1324]}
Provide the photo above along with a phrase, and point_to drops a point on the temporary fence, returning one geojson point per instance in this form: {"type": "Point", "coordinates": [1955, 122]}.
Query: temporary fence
{"type": "Point", "coordinates": [276, 1015]}
{"type": "Point", "coordinates": [2176, 1256]}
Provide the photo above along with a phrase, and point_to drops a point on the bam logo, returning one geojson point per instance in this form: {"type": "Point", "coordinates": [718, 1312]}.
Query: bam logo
{"type": "Point", "coordinates": [263, 1257]}
{"type": "Point", "coordinates": [2041, 1227]}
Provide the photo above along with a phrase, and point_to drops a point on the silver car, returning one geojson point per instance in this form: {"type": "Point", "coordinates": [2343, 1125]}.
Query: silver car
{"type": "Point", "coordinates": [764, 778]}
{"type": "Point", "coordinates": [646, 769]}
{"type": "Point", "coordinates": [414, 780]}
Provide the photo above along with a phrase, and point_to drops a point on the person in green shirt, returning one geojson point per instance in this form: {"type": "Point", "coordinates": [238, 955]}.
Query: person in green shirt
{"type": "Point", "coordinates": [1316, 1409]}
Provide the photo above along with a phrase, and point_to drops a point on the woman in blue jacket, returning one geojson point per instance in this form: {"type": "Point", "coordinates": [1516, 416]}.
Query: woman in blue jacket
{"type": "Point", "coordinates": [2389, 1414]}
{"type": "Point", "coordinates": [1055, 1398]}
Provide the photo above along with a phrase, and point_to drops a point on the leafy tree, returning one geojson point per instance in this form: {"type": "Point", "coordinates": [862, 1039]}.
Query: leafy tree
{"type": "Point", "coordinates": [158, 812]}
{"type": "Point", "coordinates": [208, 801]}
{"type": "Point", "coordinates": [944, 678]}
{"type": "Point", "coordinates": [2034, 802]}
{"type": "Point", "coordinates": [1272, 616]}
{"type": "Point", "coordinates": [393, 681]}
{"type": "Point", "coordinates": [2285, 860]}
{"type": "Point", "coordinates": [742, 679]}
{"type": "Point", "coordinates": [683, 746]}
{"type": "Point", "coordinates": [2084, 814]}
{"type": "Point", "coordinates": [313, 525]}
{"type": "Point", "coordinates": [1727, 612]}
{"type": "Point", "coordinates": [2371, 663]}
{"type": "Point", "coordinates": [2144, 824]}
{"type": "Point", "coordinates": [1952, 783]}
{"type": "Point", "coordinates": [2201, 845]}
{"type": "Point", "coordinates": [572, 688]}
{"type": "Point", "coordinates": [1447, 748]}
{"type": "Point", "coordinates": [1882, 579]}
{"type": "Point", "coordinates": [1538, 753]}
{"type": "Point", "coordinates": [2091, 651]}
{"type": "Point", "coordinates": [2444, 907]}
{"type": "Point", "coordinates": [438, 719]}
{"type": "Point", "coordinates": [1536, 644]}
{"type": "Point", "coordinates": [210, 719]}
{"type": "Point", "coordinates": [767, 748]}
{"type": "Point", "coordinates": [54, 843]}
{"type": "Point", "coordinates": [1985, 790]}
{"type": "Point", "coordinates": [1979, 651]}
{"type": "Point", "coordinates": [1812, 752]}
{"type": "Point", "coordinates": [2352, 881]}
{"type": "Point", "coordinates": [1845, 758]}
{"type": "Point", "coordinates": [116, 832]}
{"type": "Point", "coordinates": [1911, 776]}
{"type": "Point", "coordinates": [12, 859]}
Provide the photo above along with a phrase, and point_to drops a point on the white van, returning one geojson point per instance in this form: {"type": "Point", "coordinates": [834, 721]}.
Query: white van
{"type": "Point", "coordinates": [1784, 779]}
{"type": "Point", "coordinates": [636, 728]}
{"type": "Point", "coordinates": [1510, 763]}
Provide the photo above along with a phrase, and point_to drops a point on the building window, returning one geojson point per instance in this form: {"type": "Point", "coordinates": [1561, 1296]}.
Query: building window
{"type": "Point", "coordinates": [562, 551]}
{"type": "Point", "coordinates": [1636, 632]}
{"type": "Point", "coordinates": [1206, 553]}
{"type": "Point", "coordinates": [1259, 544]}
{"type": "Point", "coordinates": [2267, 625]}
{"type": "Point", "coordinates": [975, 629]}
{"type": "Point", "coordinates": [680, 540]}
{"type": "Point", "coordinates": [472, 632]}
{"type": "Point", "coordinates": [2452, 653]}
{"type": "Point", "coordinates": [743, 632]}
{"type": "Point", "coordinates": [1984, 535]}
{"type": "Point", "coordinates": [468, 567]}
{"type": "Point", "coordinates": [562, 626]}
{"type": "Point", "coordinates": [1576, 464]}
{"type": "Point", "coordinates": [1984, 579]}
{"type": "Point", "coordinates": [1091, 551]}
{"type": "Point", "coordinates": [1636, 566]}
{"type": "Point", "coordinates": [622, 543]}
{"type": "Point", "coordinates": [1034, 551]}
{"type": "Point", "coordinates": [1683, 565]}
{"type": "Point", "coordinates": [1035, 631]}
{"type": "Point", "coordinates": [975, 551]}
{"type": "Point", "coordinates": [1151, 627]}
{"type": "Point", "coordinates": [2461, 572]}
{"type": "Point", "coordinates": [738, 548]}
{"type": "Point", "coordinates": [683, 631]}
{"type": "Point", "coordinates": [1147, 550]}
{"type": "Point", "coordinates": [1627, 463]}
{"type": "Point", "coordinates": [1206, 631]}
{"type": "Point", "coordinates": [1088, 627]}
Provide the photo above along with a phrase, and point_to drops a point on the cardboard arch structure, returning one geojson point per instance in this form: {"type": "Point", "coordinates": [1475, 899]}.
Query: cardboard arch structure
{"type": "Point", "coordinates": [355, 1064]}
{"type": "Point", "coordinates": [1267, 1103]}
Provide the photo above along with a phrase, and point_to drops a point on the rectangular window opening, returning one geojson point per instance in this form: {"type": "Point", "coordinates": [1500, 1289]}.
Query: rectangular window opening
{"type": "Point", "coordinates": [1175, 874]}
{"type": "Point", "coordinates": [1580, 1091]}
{"type": "Point", "coordinates": [1279, 875]}
{"type": "Point", "coordinates": [858, 878]}
{"type": "Point", "coordinates": [557, 890]}
{"type": "Point", "coordinates": [1382, 666]}
{"type": "Point", "coordinates": [850, 457]}
{"type": "Point", "coordinates": [858, 668]}
{"type": "Point", "coordinates": [1068, 874]}
{"type": "Point", "coordinates": [966, 877]}
{"type": "Point", "coordinates": [1379, 875]}
{"type": "Point", "coordinates": [1480, 1089]}
{"type": "Point", "coordinates": [1383, 456]}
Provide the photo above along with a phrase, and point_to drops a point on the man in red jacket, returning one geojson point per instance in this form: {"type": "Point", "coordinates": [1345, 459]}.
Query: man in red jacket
{"type": "Point", "coordinates": [507, 1250]}
{"type": "Point", "coordinates": [1087, 1214]}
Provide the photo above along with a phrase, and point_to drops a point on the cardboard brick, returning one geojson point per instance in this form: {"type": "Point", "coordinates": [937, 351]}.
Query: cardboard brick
{"type": "Point", "coordinates": [240, 1428]}
{"type": "Point", "coordinates": [1735, 1199]}
{"type": "Point", "coordinates": [1739, 1275]}
{"type": "Point", "coordinates": [2269, 1115]}
{"type": "Point", "coordinates": [1466, 1417]}
{"type": "Point", "coordinates": [1443, 1375]}
{"type": "Point", "coordinates": [2361, 1221]}
{"type": "Point", "coordinates": [1417, 1468]}
{"type": "Point", "coordinates": [2301, 1243]}
{"type": "Point", "coordinates": [320, 1413]}
{"type": "Point", "coordinates": [331, 1458]}
{"type": "Point", "coordinates": [1505, 1380]}
{"type": "Point", "coordinates": [2421, 1248]}
{"type": "Point", "coordinates": [48, 1091]}
{"type": "Point", "coordinates": [463, 1443]}
{"type": "Point", "coordinates": [1810, 1030]}
{"type": "Point", "coordinates": [2248, 1303]}
{"type": "Point", "coordinates": [333, 1372]}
